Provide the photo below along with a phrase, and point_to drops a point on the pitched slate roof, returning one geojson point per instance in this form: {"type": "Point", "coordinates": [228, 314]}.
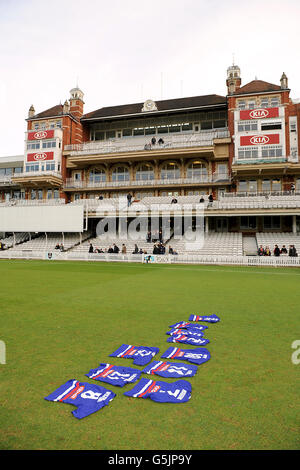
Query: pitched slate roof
{"type": "Point", "coordinates": [257, 86]}
{"type": "Point", "coordinates": [163, 105]}
{"type": "Point", "coordinates": [51, 112]}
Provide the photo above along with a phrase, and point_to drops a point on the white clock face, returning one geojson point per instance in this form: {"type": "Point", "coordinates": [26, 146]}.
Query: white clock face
{"type": "Point", "coordinates": [149, 105]}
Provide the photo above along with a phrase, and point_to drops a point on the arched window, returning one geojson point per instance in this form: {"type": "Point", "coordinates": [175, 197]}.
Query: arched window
{"type": "Point", "coordinates": [97, 175]}
{"type": "Point", "coordinates": [197, 170]}
{"type": "Point", "coordinates": [120, 173]}
{"type": "Point", "coordinates": [144, 172]}
{"type": "Point", "coordinates": [170, 170]}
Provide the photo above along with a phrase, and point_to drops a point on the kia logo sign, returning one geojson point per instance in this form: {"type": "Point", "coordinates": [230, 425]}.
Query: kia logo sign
{"type": "Point", "coordinates": [40, 135]}
{"type": "Point", "coordinates": [259, 139]}
{"type": "Point", "coordinates": [39, 156]}
{"type": "Point", "coordinates": [259, 113]}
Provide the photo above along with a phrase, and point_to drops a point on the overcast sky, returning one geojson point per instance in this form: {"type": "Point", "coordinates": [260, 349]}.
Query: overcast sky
{"type": "Point", "coordinates": [123, 52]}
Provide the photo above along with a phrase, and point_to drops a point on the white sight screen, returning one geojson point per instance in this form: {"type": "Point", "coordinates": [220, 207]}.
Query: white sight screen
{"type": "Point", "coordinates": [41, 219]}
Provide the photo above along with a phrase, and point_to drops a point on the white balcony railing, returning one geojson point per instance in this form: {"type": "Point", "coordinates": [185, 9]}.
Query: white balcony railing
{"type": "Point", "coordinates": [5, 179]}
{"type": "Point", "coordinates": [73, 184]}
{"type": "Point", "coordinates": [39, 173]}
{"type": "Point", "coordinates": [134, 144]}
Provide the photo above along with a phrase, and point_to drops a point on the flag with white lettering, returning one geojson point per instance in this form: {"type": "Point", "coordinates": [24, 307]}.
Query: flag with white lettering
{"type": "Point", "coordinates": [188, 340]}
{"type": "Point", "coordinates": [114, 375]}
{"type": "Point", "coordinates": [188, 325]}
{"type": "Point", "coordinates": [187, 332]}
{"type": "Point", "coordinates": [170, 369]}
{"type": "Point", "coordinates": [163, 392]}
{"type": "Point", "coordinates": [141, 354]}
{"type": "Point", "coordinates": [196, 356]}
{"type": "Point", "coordinates": [208, 318]}
{"type": "Point", "coordinates": [88, 398]}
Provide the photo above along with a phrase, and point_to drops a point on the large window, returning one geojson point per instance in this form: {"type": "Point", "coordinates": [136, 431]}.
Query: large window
{"type": "Point", "coordinates": [247, 186]}
{"type": "Point", "coordinates": [33, 167]}
{"type": "Point", "coordinates": [33, 145]}
{"type": "Point", "coordinates": [271, 151]}
{"type": "Point", "coordinates": [47, 144]}
{"type": "Point", "coordinates": [197, 170]}
{"type": "Point", "coordinates": [247, 126]}
{"type": "Point", "coordinates": [270, 126]}
{"type": "Point", "coordinates": [144, 172]}
{"type": "Point", "coordinates": [248, 222]}
{"type": "Point", "coordinates": [120, 173]}
{"type": "Point", "coordinates": [170, 171]}
{"type": "Point", "coordinates": [247, 153]}
{"type": "Point", "coordinates": [97, 175]}
{"type": "Point", "coordinates": [272, 222]}
{"type": "Point", "coordinates": [266, 185]}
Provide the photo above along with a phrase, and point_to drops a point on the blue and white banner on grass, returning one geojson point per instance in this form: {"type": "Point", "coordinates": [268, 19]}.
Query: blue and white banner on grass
{"type": "Point", "coordinates": [170, 369]}
{"type": "Point", "coordinates": [208, 318]}
{"type": "Point", "coordinates": [114, 375]}
{"type": "Point", "coordinates": [88, 398]}
{"type": "Point", "coordinates": [188, 340]}
{"type": "Point", "coordinates": [188, 325]}
{"type": "Point", "coordinates": [187, 332]}
{"type": "Point", "coordinates": [140, 354]}
{"type": "Point", "coordinates": [196, 356]}
{"type": "Point", "coordinates": [163, 392]}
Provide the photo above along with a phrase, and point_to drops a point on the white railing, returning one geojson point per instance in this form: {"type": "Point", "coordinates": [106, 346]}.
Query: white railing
{"type": "Point", "coordinates": [266, 261]}
{"type": "Point", "coordinates": [39, 173]}
{"type": "Point", "coordinates": [83, 184]}
{"type": "Point", "coordinates": [33, 202]}
{"type": "Point", "coordinates": [265, 194]}
{"type": "Point", "coordinates": [134, 144]}
{"type": "Point", "coordinates": [5, 179]}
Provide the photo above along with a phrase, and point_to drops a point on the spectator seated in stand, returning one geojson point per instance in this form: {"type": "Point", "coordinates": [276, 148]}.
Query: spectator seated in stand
{"type": "Point", "coordinates": [276, 251]}
{"type": "Point", "coordinates": [116, 249]}
{"type": "Point", "coordinates": [174, 200]}
{"type": "Point", "coordinates": [283, 250]}
{"type": "Point", "coordinates": [261, 251]}
{"type": "Point", "coordinates": [267, 251]}
{"type": "Point", "coordinates": [293, 251]}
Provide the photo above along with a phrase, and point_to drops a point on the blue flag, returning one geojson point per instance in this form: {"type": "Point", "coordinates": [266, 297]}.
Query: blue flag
{"type": "Point", "coordinates": [197, 356]}
{"type": "Point", "coordinates": [141, 354]}
{"type": "Point", "coordinates": [88, 398]}
{"type": "Point", "coordinates": [188, 332]}
{"type": "Point", "coordinates": [163, 392]}
{"type": "Point", "coordinates": [114, 375]}
{"type": "Point", "coordinates": [188, 340]}
{"type": "Point", "coordinates": [170, 370]}
{"type": "Point", "coordinates": [208, 318]}
{"type": "Point", "coordinates": [188, 325]}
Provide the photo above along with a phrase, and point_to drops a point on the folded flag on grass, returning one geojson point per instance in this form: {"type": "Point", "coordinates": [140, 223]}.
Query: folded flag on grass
{"type": "Point", "coordinates": [197, 356]}
{"type": "Point", "coordinates": [170, 370]}
{"type": "Point", "coordinates": [114, 375]}
{"type": "Point", "coordinates": [188, 325]}
{"type": "Point", "coordinates": [163, 392]}
{"type": "Point", "coordinates": [208, 318]}
{"type": "Point", "coordinates": [141, 354]}
{"type": "Point", "coordinates": [88, 398]}
{"type": "Point", "coordinates": [188, 340]}
{"type": "Point", "coordinates": [188, 332]}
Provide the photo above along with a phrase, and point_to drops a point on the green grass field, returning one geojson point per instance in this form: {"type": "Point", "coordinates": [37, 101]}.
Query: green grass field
{"type": "Point", "coordinates": [60, 319]}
